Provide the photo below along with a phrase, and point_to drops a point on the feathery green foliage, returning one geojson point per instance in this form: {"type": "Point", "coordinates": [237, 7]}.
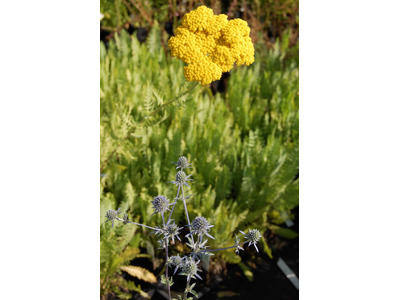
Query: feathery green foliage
{"type": "Point", "coordinates": [243, 146]}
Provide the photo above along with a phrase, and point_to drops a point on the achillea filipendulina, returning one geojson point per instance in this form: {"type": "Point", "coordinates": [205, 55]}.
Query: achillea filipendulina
{"type": "Point", "coordinates": [211, 44]}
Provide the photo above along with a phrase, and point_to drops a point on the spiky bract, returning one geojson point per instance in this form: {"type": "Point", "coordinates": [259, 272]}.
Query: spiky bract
{"type": "Point", "coordinates": [126, 219]}
{"type": "Point", "coordinates": [237, 242]}
{"type": "Point", "coordinates": [172, 230]}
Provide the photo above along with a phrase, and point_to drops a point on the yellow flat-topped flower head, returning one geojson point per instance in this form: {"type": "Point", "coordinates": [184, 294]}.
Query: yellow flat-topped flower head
{"type": "Point", "coordinates": [211, 44]}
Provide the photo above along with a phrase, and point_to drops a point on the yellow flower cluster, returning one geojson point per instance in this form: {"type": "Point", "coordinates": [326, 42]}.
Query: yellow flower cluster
{"type": "Point", "coordinates": [211, 44]}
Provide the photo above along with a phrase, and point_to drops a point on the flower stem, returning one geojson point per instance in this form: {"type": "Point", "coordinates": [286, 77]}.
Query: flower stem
{"type": "Point", "coordinates": [187, 287]}
{"type": "Point", "coordinates": [176, 98]}
{"type": "Point", "coordinates": [211, 250]}
{"type": "Point", "coordinates": [176, 200]}
{"type": "Point", "coordinates": [141, 225]}
{"type": "Point", "coordinates": [187, 214]}
{"type": "Point", "coordinates": [166, 259]}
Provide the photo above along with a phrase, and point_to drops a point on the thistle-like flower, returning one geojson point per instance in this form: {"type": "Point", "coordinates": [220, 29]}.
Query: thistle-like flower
{"type": "Point", "coordinates": [253, 236]}
{"type": "Point", "coordinates": [160, 204]}
{"type": "Point", "coordinates": [189, 268]}
{"type": "Point", "coordinates": [200, 226]}
{"type": "Point", "coordinates": [182, 163]}
{"type": "Point", "coordinates": [111, 215]}
{"type": "Point", "coordinates": [172, 230]}
{"type": "Point", "coordinates": [175, 261]}
{"type": "Point", "coordinates": [181, 179]}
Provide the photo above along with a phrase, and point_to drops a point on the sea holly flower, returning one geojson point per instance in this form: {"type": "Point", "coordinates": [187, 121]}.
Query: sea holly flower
{"type": "Point", "coordinates": [171, 230]}
{"type": "Point", "coordinates": [175, 261]}
{"type": "Point", "coordinates": [111, 215]}
{"type": "Point", "coordinates": [253, 236]}
{"type": "Point", "coordinates": [160, 204]}
{"type": "Point", "coordinates": [200, 226]}
{"type": "Point", "coordinates": [182, 163]}
{"type": "Point", "coordinates": [189, 268]}
{"type": "Point", "coordinates": [210, 44]}
{"type": "Point", "coordinates": [181, 179]}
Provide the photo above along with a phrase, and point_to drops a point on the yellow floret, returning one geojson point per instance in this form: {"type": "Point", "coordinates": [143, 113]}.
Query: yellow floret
{"type": "Point", "coordinates": [235, 29]}
{"type": "Point", "coordinates": [202, 71]}
{"type": "Point", "coordinates": [216, 23]}
{"type": "Point", "coordinates": [198, 19]}
{"type": "Point", "coordinates": [211, 45]}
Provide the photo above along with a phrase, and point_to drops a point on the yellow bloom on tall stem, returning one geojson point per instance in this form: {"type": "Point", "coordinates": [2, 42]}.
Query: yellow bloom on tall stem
{"type": "Point", "coordinates": [211, 44]}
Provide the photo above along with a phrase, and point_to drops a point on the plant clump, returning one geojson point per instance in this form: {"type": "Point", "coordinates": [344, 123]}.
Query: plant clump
{"type": "Point", "coordinates": [169, 231]}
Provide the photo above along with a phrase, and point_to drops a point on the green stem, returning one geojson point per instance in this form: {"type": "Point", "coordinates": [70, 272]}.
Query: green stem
{"type": "Point", "coordinates": [176, 98]}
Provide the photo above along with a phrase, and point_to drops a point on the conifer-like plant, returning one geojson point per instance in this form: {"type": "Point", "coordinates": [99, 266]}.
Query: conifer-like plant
{"type": "Point", "coordinates": [168, 231]}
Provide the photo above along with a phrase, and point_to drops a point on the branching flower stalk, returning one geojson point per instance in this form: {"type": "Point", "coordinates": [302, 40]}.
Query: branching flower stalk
{"type": "Point", "coordinates": [200, 227]}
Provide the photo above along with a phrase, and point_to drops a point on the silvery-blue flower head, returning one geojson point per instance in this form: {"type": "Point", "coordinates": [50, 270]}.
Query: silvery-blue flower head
{"type": "Point", "coordinates": [200, 226]}
{"type": "Point", "coordinates": [181, 179]}
{"type": "Point", "coordinates": [111, 215]}
{"type": "Point", "coordinates": [160, 204]}
{"type": "Point", "coordinates": [189, 268]}
{"type": "Point", "coordinates": [172, 230]}
{"type": "Point", "coordinates": [252, 237]}
{"type": "Point", "coordinates": [182, 163]}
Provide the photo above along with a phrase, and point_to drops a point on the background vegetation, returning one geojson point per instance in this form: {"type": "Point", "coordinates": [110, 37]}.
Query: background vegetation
{"type": "Point", "coordinates": [243, 144]}
{"type": "Point", "coordinates": [268, 19]}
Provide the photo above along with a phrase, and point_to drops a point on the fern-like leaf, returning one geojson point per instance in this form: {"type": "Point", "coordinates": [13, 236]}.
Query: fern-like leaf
{"type": "Point", "coordinates": [140, 273]}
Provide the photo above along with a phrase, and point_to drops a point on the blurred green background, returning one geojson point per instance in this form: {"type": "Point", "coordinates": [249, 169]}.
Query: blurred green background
{"type": "Point", "coordinates": [240, 134]}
